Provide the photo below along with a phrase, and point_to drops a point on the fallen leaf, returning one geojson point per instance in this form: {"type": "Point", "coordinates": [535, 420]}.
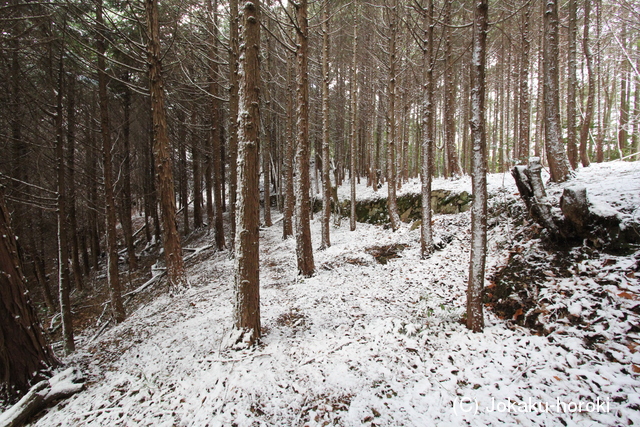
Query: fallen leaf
{"type": "Point", "coordinates": [635, 369]}
{"type": "Point", "coordinates": [626, 295]}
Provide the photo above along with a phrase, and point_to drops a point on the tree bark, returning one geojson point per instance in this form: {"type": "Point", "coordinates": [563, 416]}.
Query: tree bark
{"type": "Point", "coordinates": [475, 318]}
{"type": "Point", "coordinates": [304, 250]}
{"type": "Point", "coordinates": [247, 277]}
{"type": "Point", "coordinates": [171, 239]}
{"type": "Point", "coordinates": [559, 166]}
{"type": "Point", "coordinates": [24, 352]}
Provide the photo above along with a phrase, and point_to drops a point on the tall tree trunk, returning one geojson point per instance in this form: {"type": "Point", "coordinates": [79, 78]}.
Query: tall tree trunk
{"type": "Point", "coordinates": [71, 184]}
{"type": "Point", "coordinates": [63, 253]}
{"type": "Point", "coordinates": [183, 181]}
{"type": "Point", "coordinates": [475, 317]}
{"type": "Point", "coordinates": [625, 89]}
{"type": "Point", "coordinates": [453, 162]}
{"type": "Point", "coordinates": [247, 275]}
{"type": "Point", "coordinates": [426, 231]}
{"type": "Point", "coordinates": [392, 204]}
{"type": "Point", "coordinates": [326, 178]}
{"type": "Point", "coordinates": [171, 239]}
{"type": "Point", "coordinates": [559, 166]}
{"type": "Point", "coordinates": [572, 83]}
{"type": "Point", "coordinates": [233, 116]}
{"type": "Point", "coordinates": [304, 251]}
{"type": "Point", "coordinates": [113, 277]}
{"type": "Point", "coordinates": [214, 163]}
{"type": "Point", "coordinates": [354, 120]}
{"type": "Point", "coordinates": [196, 159]}
{"type": "Point", "coordinates": [24, 352]}
{"type": "Point", "coordinates": [125, 209]}
{"type": "Point", "coordinates": [588, 116]}
{"type": "Point", "coordinates": [289, 197]}
{"type": "Point", "coordinates": [524, 132]}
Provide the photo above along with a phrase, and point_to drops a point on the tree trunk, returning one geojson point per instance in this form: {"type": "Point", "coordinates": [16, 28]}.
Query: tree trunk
{"type": "Point", "coordinates": [304, 250]}
{"type": "Point", "coordinates": [392, 204]}
{"type": "Point", "coordinates": [24, 352]}
{"type": "Point", "coordinates": [113, 277]}
{"type": "Point", "coordinates": [426, 232]}
{"type": "Point", "coordinates": [559, 167]}
{"type": "Point", "coordinates": [63, 252]}
{"type": "Point", "coordinates": [233, 117]}
{"type": "Point", "coordinates": [289, 197]}
{"type": "Point", "coordinates": [183, 180]}
{"type": "Point", "coordinates": [625, 89]}
{"type": "Point", "coordinates": [196, 160]}
{"type": "Point", "coordinates": [354, 120]}
{"type": "Point", "coordinates": [572, 82]}
{"type": "Point", "coordinates": [326, 178]}
{"type": "Point", "coordinates": [588, 116]}
{"type": "Point", "coordinates": [247, 277]}
{"type": "Point", "coordinates": [215, 163]}
{"type": "Point", "coordinates": [171, 239]}
{"type": "Point", "coordinates": [453, 162]}
{"type": "Point", "coordinates": [524, 117]}
{"type": "Point", "coordinates": [475, 318]}
{"type": "Point", "coordinates": [127, 226]}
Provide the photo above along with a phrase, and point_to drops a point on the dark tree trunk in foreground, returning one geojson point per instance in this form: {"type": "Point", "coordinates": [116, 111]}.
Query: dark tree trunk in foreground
{"type": "Point", "coordinates": [426, 232]}
{"type": "Point", "coordinates": [24, 353]}
{"type": "Point", "coordinates": [161, 152]}
{"type": "Point", "coordinates": [247, 275]}
{"type": "Point", "coordinates": [115, 292]}
{"type": "Point", "coordinates": [304, 250]}
{"type": "Point", "coordinates": [559, 167]}
{"type": "Point", "coordinates": [475, 318]}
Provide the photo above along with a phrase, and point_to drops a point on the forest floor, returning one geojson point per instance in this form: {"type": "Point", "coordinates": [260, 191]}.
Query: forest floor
{"type": "Point", "coordinates": [375, 337]}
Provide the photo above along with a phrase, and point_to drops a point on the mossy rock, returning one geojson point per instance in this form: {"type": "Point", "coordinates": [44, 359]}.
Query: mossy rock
{"type": "Point", "coordinates": [409, 206]}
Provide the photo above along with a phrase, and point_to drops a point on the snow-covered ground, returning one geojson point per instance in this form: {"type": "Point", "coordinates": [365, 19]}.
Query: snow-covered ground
{"type": "Point", "coordinates": [365, 343]}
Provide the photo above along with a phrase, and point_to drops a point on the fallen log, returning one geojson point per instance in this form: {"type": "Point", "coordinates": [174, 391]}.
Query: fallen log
{"type": "Point", "coordinates": [41, 395]}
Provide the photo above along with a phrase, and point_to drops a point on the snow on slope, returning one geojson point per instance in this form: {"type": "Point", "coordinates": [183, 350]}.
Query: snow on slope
{"type": "Point", "coordinates": [360, 343]}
